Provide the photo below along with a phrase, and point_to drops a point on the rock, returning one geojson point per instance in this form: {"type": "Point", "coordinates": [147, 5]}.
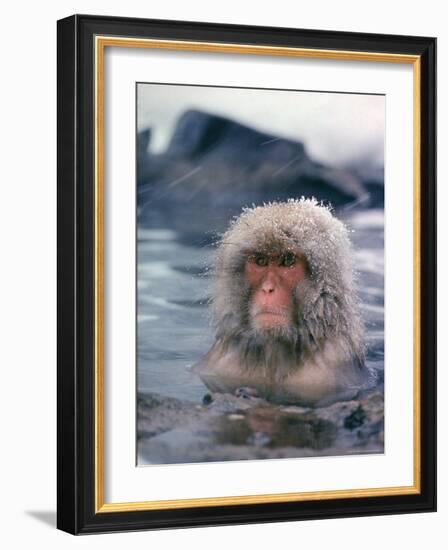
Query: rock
{"type": "Point", "coordinates": [259, 439]}
{"type": "Point", "coordinates": [207, 399]}
{"type": "Point", "coordinates": [143, 140]}
{"type": "Point", "coordinates": [233, 428]}
{"type": "Point", "coordinates": [375, 190]}
{"type": "Point", "coordinates": [235, 416]}
{"type": "Point", "coordinates": [355, 419]}
{"type": "Point", "coordinates": [296, 409]}
{"type": "Point", "coordinates": [246, 393]}
{"type": "Point", "coordinates": [214, 166]}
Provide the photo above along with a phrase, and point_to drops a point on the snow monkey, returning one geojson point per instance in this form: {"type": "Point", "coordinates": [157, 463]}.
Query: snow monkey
{"type": "Point", "coordinates": [284, 306]}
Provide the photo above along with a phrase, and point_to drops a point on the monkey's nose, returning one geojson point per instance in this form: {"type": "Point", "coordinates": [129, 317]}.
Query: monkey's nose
{"type": "Point", "coordinates": [268, 287]}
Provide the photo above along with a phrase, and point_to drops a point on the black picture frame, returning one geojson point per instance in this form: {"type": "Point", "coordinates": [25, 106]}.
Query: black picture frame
{"type": "Point", "coordinates": [77, 511]}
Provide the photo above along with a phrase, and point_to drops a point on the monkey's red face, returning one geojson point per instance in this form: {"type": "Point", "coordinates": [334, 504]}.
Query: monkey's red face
{"type": "Point", "coordinates": [272, 279]}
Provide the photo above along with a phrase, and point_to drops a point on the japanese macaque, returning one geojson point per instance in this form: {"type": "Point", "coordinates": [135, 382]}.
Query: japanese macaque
{"type": "Point", "coordinates": [287, 322]}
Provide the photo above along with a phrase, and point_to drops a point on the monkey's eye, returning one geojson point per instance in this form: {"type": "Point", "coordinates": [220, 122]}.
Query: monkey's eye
{"type": "Point", "coordinates": [288, 260]}
{"type": "Point", "coordinates": [261, 260]}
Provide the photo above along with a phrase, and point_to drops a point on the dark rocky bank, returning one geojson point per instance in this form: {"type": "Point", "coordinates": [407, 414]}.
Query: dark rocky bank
{"type": "Point", "coordinates": [226, 427]}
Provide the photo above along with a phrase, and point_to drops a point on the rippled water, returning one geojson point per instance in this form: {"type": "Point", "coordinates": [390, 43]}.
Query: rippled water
{"type": "Point", "coordinates": [173, 319]}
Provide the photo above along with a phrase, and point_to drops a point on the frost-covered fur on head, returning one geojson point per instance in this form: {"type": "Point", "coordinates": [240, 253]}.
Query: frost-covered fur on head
{"type": "Point", "coordinates": [327, 308]}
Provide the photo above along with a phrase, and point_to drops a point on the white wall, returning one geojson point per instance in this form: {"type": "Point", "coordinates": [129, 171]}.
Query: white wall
{"type": "Point", "coordinates": [28, 272]}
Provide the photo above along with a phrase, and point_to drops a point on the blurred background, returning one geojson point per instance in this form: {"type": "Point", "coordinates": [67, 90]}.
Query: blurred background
{"type": "Point", "coordinates": [204, 152]}
{"type": "Point", "coordinates": [338, 127]}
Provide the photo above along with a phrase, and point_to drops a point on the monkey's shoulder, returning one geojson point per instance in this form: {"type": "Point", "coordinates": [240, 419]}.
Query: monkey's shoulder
{"type": "Point", "coordinates": [326, 376]}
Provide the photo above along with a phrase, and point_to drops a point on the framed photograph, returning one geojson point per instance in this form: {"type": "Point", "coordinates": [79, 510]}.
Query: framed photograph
{"type": "Point", "coordinates": [246, 274]}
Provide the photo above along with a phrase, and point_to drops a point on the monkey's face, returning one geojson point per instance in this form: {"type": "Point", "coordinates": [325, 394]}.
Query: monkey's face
{"type": "Point", "coordinates": [272, 279]}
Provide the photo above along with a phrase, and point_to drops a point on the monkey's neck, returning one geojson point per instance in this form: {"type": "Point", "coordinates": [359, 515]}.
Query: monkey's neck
{"type": "Point", "coordinates": [272, 356]}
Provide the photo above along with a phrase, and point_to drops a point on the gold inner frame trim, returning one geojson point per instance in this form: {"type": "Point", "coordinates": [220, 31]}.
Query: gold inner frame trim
{"type": "Point", "coordinates": [101, 42]}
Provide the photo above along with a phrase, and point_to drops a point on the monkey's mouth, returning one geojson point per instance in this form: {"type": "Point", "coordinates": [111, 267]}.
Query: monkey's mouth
{"type": "Point", "coordinates": [268, 317]}
{"type": "Point", "coordinates": [270, 311]}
